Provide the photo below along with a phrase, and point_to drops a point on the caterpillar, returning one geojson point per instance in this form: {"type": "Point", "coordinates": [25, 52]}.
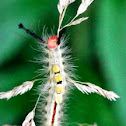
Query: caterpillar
{"type": "Point", "coordinates": [60, 78]}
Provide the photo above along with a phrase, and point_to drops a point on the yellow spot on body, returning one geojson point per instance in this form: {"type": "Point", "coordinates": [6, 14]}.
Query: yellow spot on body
{"type": "Point", "coordinates": [58, 78]}
{"type": "Point", "coordinates": [58, 98]}
{"type": "Point", "coordinates": [56, 69]}
{"type": "Point", "coordinates": [59, 88]}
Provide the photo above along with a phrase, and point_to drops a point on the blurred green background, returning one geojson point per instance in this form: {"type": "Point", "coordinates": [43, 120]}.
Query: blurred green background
{"type": "Point", "coordinates": [99, 44]}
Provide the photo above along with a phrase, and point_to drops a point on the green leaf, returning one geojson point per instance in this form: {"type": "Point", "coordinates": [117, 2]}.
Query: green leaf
{"type": "Point", "coordinates": [111, 49]}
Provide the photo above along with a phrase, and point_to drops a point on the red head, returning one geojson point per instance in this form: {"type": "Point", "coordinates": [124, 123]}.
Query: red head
{"type": "Point", "coordinates": [52, 42]}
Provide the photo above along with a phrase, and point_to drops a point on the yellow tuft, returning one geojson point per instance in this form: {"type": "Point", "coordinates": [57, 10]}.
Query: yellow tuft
{"type": "Point", "coordinates": [56, 69]}
{"type": "Point", "coordinates": [59, 88]}
{"type": "Point", "coordinates": [58, 78]}
{"type": "Point", "coordinates": [58, 98]}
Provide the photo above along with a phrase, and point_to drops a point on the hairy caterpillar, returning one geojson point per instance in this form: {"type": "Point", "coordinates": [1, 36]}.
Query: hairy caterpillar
{"type": "Point", "coordinates": [59, 81]}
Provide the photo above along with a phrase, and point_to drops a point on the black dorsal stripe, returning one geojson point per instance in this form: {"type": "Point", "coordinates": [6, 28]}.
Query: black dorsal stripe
{"type": "Point", "coordinates": [57, 72]}
{"type": "Point", "coordinates": [60, 82]}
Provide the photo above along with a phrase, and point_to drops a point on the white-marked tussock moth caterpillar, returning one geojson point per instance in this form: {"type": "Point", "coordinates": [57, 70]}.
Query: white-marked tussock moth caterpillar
{"type": "Point", "coordinates": [59, 79]}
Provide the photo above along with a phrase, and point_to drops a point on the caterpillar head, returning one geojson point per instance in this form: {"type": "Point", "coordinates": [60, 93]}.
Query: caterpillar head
{"type": "Point", "coordinates": [52, 42]}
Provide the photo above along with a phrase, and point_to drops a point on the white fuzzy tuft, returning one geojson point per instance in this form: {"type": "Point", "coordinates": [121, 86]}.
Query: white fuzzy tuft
{"type": "Point", "coordinates": [29, 120]}
{"type": "Point", "coordinates": [91, 88]}
{"type": "Point", "coordinates": [83, 6]}
{"type": "Point", "coordinates": [26, 86]}
{"type": "Point", "coordinates": [78, 21]}
{"type": "Point", "coordinates": [62, 4]}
